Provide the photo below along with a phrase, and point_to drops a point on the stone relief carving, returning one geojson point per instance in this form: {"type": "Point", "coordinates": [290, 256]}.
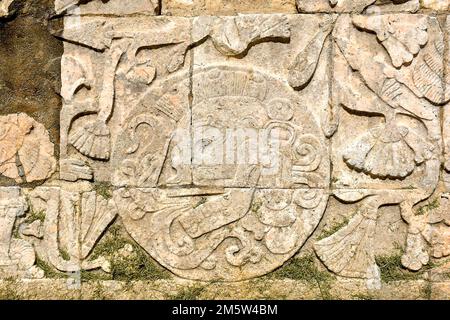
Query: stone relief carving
{"type": "Point", "coordinates": [222, 160]}
{"type": "Point", "coordinates": [358, 6]}
{"type": "Point", "coordinates": [17, 256]}
{"type": "Point", "coordinates": [73, 222]}
{"type": "Point", "coordinates": [111, 7]}
{"type": "Point", "coordinates": [26, 153]}
{"type": "Point", "coordinates": [239, 220]}
{"type": "Point", "coordinates": [130, 60]}
{"type": "Point", "coordinates": [401, 148]}
{"type": "Point", "coordinates": [232, 36]}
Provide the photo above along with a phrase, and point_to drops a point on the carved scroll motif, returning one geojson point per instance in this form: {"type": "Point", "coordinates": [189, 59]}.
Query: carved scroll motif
{"type": "Point", "coordinates": [72, 223]}
{"type": "Point", "coordinates": [227, 228]}
{"type": "Point", "coordinates": [403, 148]}
{"type": "Point", "coordinates": [17, 256]}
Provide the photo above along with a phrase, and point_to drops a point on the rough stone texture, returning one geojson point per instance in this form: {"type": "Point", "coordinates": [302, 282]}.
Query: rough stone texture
{"type": "Point", "coordinates": [109, 7]}
{"type": "Point", "coordinates": [25, 148]}
{"type": "Point", "coordinates": [281, 155]}
{"type": "Point", "coordinates": [30, 70]}
{"type": "Point", "coordinates": [4, 8]}
{"type": "Point", "coordinates": [225, 7]}
{"type": "Point", "coordinates": [443, 5]}
{"type": "Point", "coordinates": [371, 6]}
{"type": "Point", "coordinates": [357, 6]}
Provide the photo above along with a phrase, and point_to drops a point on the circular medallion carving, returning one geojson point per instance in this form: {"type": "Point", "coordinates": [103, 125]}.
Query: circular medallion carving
{"type": "Point", "coordinates": [218, 217]}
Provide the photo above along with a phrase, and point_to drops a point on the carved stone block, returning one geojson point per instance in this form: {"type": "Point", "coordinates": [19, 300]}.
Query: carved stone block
{"type": "Point", "coordinates": [106, 69]}
{"type": "Point", "coordinates": [358, 6]}
{"type": "Point", "coordinates": [109, 7]}
{"type": "Point", "coordinates": [26, 153]}
{"type": "Point", "coordinates": [234, 177]}
{"type": "Point", "coordinates": [389, 86]}
{"type": "Point", "coordinates": [222, 143]}
{"type": "Point", "coordinates": [225, 7]}
{"type": "Point", "coordinates": [443, 5]}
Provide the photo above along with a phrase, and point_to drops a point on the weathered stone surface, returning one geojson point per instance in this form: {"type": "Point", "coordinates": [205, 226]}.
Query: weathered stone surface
{"type": "Point", "coordinates": [357, 6]}
{"type": "Point", "coordinates": [240, 220]}
{"type": "Point", "coordinates": [300, 155]}
{"type": "Point", "coordinates": [17, 256]}
{"type": "Point", "coordinates": [4, 8]}
{"type": "Point", "coordinates": [443, 5]}
{"type": "Point", "coordinates": [376, 76]}
{"type": "Point", "coordinates": [225, 7]}
{"type": "Point", "coordinates": [26, 153]}
{"type": "Point", "coordinates": [31, 85]}
{"type": "Point", "coordinates": [72, 223]}
{"type": "Point", "coordinates": [109, 7]}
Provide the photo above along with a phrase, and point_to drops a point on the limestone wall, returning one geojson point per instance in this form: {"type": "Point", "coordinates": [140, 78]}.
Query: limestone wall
{"type": "Point", "coordinates": [195, 149]}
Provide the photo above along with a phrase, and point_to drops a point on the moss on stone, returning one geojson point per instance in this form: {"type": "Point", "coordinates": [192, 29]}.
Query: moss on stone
{"type": "Point", "coordinates": [430, 206]}
{"type": "Point", "coordinates": [256, 206]}
{"type": "Point", "coordinates": [34, 215]}
{"type": "Point", "coordinates": [391, 268]}
{"type": "Point", "coordinates": [49, 272]}
{"type": "Point", "coordinates": [305, 268]}
{"type": "Point", "coordinates": [8, 290]}
{"type": "Point", "coordinates": [137, 266]}
{"type": "Point", "coordinates": [192, 292]}
{"type": "Point", "coordinates": [99, 292]}
{"type": "Point", "coordinates": [333, 229]}
{"type": "Point", "coordinates": [104, 190]}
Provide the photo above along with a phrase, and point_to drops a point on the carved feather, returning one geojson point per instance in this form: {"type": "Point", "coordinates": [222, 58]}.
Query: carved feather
{"type": "Point", "coordinates": [305, 64]}
{"type": "Point", "coordinates": [345, 252]}
{"type": "Point", "coordinates": [386, 152]}
{"type": "Point", "coordinates": [428, 74]}
{"type": "Point", "coordinates": [92, 140]}
{"type": "Point", "coordinates": [98, 213]}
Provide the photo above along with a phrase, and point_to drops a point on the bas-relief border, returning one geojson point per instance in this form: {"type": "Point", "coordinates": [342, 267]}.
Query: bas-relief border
{"type": "Point", "coordinates": [409, 91]}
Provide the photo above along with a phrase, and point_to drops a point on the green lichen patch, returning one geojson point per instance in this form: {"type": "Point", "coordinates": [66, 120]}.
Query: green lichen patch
{"type": "Point", "coordinates": [111, 242]}
{"type": "Point", "coordinates": [362, 296]}
{"type": "Point", "coordinates": [256, 206]}
{"type": "Point", "coordinates": [136, 265]}
{"type": "Point", "coordinates": [34, 215]}
{"type": "Point", "coordinates": [333, 229]}
{"type": "Point", "coordinates": [430, 206]}
{"type": "Point", "coordinates": [426, 291]}
{"type": "Point", "coordinates": [104, 190]}
{"type": "Point", "coordinates": [139, 266]}
{"type": "Point", "coordinates": [305, 268]}
{"type": "Point", "coordinates": [192, 292]}
{"type": "Point", "coordinates": [49, 272]}
{"type": "Point", "coordinates": [200, 202]}
{"type": "Point", "coordinates": [391, 268]}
